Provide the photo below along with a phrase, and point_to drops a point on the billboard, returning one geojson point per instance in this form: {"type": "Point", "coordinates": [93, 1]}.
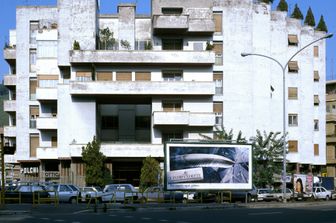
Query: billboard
{"type": "Point", "coordinates": [303, 183]}
{"type": "Point", "coordinates": [200, 166]}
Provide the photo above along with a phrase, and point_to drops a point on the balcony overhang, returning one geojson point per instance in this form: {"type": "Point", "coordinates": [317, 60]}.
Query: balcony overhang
{"type": "Point", "coordinates": [145, 57]}
{"type": "Point", "coordinates": [9, 106]}
{"type": "Point", "coordinates": [10, 55]}
{"type": "Point", "coordinates": [161, 118]}
{"type": "Point", "coordinates": [46, 153]}
{"type": "Point", "coordinates": [46, 123]}
{"type": "Point", "coordinates": [46, 94]}
{"type": "Point", "coordinates": [10, 131]}
{"type": "Point", "coordinates": [142, 88]}
{"type": "Point", "coordinates": [164, 23]}
{"type": "Point", "coordinates": [10, 80]}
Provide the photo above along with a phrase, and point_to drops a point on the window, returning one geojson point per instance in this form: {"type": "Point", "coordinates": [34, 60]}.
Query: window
{"type": "Point", "coordinates": [109, 122]}
{"type": "Point", "coordinates": [218, 110]}
{"type": "Point", "coordinates": [218, 23]}
{"type": "Point", "coordinates": [143, 76]}
{"type": "Point", "coordinates": [316, 125]}
{"type": "Point", "coordinates": [142, 44]}
{"type": "Point", "coordinates": [218, 79]}
{"type": "Point", "coordinates": [34, 113]}
{"type": "Point", "coordinates": [293, 67]}
{"type": "Point", "coordinates": [32, 89]}
{"type": "Point", "coordinates": [292, 119]}
{"type": "Point", "coordinates": [316, 76]}
{"type": "Point", "coordinates": [142, 122]}
{"type": "Point", "coordinates": [46, 49]}
{"type": "Point", "coordinates": [316, 100]}
{"type": "Point", "coordinates": [54, 141]}
{"type": "Point", "coordinates": [33, 28]}
{"type": "Point", "coordinates": [32, 60]}
{"type": "Point", "coordinates": [172, 44]}
{"type": "Point", "coordinates": [83, 76]}
{"type": "Point", "coordinates": [47, 81]}
{"type": "Point", "coordinates": [172, 11]}
{"type": "Point", "coordinates": [34, 144]}
{"type": "Point", "coordinates": [293, 40]}
{"type": "Point", "coordinates": [172, 75]}
{"type": "Point", "coordinates": [316, 51]}
{"type": "Point", "coordinates": [218, 49]}
{"type": "Point", "coordinates": [316, 150]}
{"type": "Point", "coordinates": [123, 76]}
{"type": "Point", "coordinates": [104, 76]}
{"type": "Point", "coordinates": [167, 136]}
{"type": "Point", "coordinates": [172, 106]}
{"type": "Point", "coordinates": [292, 146]}
{"type": "Point", "coordinates": [292, 93]}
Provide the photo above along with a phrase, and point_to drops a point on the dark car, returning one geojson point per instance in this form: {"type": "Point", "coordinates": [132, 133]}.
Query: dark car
{"type": "Point", "coordinates": [27, 193]}
{"type": "Point", "coordinates": [158, 194]}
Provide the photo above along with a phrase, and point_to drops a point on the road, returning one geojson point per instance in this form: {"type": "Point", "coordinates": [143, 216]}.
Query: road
{"type": "Point", "coordinates": [304, 214]}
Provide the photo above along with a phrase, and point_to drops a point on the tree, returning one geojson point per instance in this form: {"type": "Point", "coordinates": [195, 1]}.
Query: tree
{"type": "Point", "coordinates": [297, 14]}
{"type": "Point", "coordinates": [76, 45]}
{"type": "Point", "coordinates": [150, 173]}
{"type": "Point", "coordinates": [309, 20]}
{"type": "Point", "coordinates": [282, 6]}
{"type": "Point", "coordinates": [222, 135]}
{"type": "Point", "coordinates": [106, 39]}
{"type": "Point", "coordinates": [321, 26]}
{"type": "Point", "coordinates": [95, 171]}
{"type": "Point", "coordinates": [267, 153]}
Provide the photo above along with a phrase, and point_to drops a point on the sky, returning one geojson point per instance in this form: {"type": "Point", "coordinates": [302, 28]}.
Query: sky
{"type": "Point", "coordinates": [326, 8]}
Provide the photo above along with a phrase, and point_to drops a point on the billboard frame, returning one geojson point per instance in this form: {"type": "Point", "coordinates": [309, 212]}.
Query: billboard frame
{"type": "Point", "coordinates": [220, 186]}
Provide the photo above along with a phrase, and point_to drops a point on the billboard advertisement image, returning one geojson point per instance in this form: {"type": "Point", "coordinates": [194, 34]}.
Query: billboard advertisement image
{"type": "Point", "coordinates": [197, 166]}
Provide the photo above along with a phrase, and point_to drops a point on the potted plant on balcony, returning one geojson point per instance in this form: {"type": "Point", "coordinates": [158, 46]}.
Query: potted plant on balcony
{"type": "Point", "coordinates": [106, 39]}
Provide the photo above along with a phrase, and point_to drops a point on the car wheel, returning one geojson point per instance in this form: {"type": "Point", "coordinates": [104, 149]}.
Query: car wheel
{"type": "Point", "coordinates": [73, 200]}
{"type": "Point", "coordinates": [184, 200]}
{"type": "Point", "coordinates": [327, 198]}
{"type": "Point", "coordinates": [142, 200]}
{"type": "Point", "coordinates": [280, 198]}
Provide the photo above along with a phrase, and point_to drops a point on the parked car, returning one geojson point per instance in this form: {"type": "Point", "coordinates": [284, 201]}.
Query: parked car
{"type": "Point", "coordinates": [244, 195]}
{"type": "Point", "coordinates": [321, 193]}
{"type": "Point", "coordinates": [157, 193]}
{"type": "Point", "coordinates": [265, 194]}
{"type": "Point", "coordinates": [91, 192]}
{"type": "Point", "coordinates": [27, 192]}
{"type": "Point", "coordinates": [65, 192]}
{"type": "Point", "coordinates": [278, 193]}
{"type": "Point", "coordinates": [120, 193]}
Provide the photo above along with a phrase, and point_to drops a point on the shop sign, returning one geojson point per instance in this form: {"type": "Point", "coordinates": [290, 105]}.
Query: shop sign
{"type": "Point", "coordinates": [29, 170]}
{"type": "Point", "coordinates": [51, 174]}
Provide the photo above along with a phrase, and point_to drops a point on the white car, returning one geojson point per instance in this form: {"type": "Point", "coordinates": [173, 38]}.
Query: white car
{"type": "Point", "coordinates": [119, 193]}
{"type": "Point", "coordinates": [321, 193]}
{"type": "Point", "coordinates": [91, 192]}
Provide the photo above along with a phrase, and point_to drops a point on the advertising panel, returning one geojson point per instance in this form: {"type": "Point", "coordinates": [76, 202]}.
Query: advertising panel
{"type": "Point", "coordinates": [200, 166]}
{"type": "Point", "coordinates": [303, 183]}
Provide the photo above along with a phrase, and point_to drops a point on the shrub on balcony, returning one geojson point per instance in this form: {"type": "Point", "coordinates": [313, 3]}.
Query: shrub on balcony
{"type": "Point", "coordinates": [76, 45]}
{"type": "Point", "coordinates": [282, 6]}
{"type": "Point", "coordinates": [106, 39]}
{"type": "Point", "coordinates": [148, 45]}
{"type": "Point", "coordinates": [321, 26]}
{"type": "Point", "coordinates": [309, 20]}
{"type": "Point", "coordinates": [209, 46]}
{"type": "Point", "coordinates": [125, 44]}
{"type": "Point", "coordinates": [297, 14]}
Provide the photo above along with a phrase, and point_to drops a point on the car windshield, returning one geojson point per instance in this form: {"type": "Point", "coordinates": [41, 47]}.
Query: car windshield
{"type": "Point", "coordinates": [99, 189]}
{"type": "Point", "coordinates": [73, 187]}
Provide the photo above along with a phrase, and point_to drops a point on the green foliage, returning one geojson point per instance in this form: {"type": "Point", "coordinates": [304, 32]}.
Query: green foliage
{"type": "Point", "coordinates": [309, 20]}
{"type": "Point", "coordinates": [209, 46]}
{"type": "Point", "coordinates": [282, 6]}
{"type": "Point", "coordinates": [106, 39]}
{"type": "Point", "coordinates": [148, 45]}
{"type": "Point", "coordinates": [267, 154]}
{"type": "Point", "coordinates": [267, 1]}
{"type": "Point", "coordinates": [297, 14]}
{"type": "Point", "coordinates": [222, 135]}
{"type": "Point", "coordinates": [321, 26]}
{"type": "Point", "coordinates": [95, 171]}
{"type": "Point", "coordinates": [149, 173]}
{"type": "Point", "coordinates": [76, 45]}
{"type": "Point", "coordinates": [125, 44]}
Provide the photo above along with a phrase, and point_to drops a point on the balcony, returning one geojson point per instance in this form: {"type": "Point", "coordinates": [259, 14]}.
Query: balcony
{"type": "Point", "coordinates": [142, 88]}
{"type": "Point", "coordinates": [183, 118]}
{"type": "Point", "coordinates": [330, 117]}
{"type": "Point", "coordinates": [331, 139]}
{"type": "Point", "coordinates": [10, 131]}
{"type": "Point", "coordinates": [123, 150]}
{"type": "Point", "coordinates": [46, 153]}
{"type": "Point", "coordinates": [10, 80]}
{"type": "Point", "coordinates": [9, 54]}
{"type": "Point", "coordinates": [175, 23]}
{"type": "Point", "coordinates": [331, 97]}
{"type": "Point", "coordinates": [46, 94]}
{"type": "Point", "coordinates": [146, 57]}
{"type": "Point", "coordinates": [46, 123]}
{"type": "Point", "coordinates": [10, 106]}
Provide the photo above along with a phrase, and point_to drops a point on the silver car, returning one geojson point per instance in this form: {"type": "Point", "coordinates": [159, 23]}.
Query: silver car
{"type": "Point", "coordinates": [91, 192]}
{"type": "Point", "coordinates": [65, 192]}
{"type": "Point", "coordinates": [119, 192]}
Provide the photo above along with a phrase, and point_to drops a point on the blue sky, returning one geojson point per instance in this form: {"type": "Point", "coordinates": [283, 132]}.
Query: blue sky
{"type": "Point", "coordinates": [325, 7]}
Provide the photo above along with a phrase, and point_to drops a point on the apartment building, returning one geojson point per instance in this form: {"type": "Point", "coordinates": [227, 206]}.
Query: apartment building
{"type": "Point", "coordinates": [173, 74]}
{"type": "Point", "coordinates": [331, 128]}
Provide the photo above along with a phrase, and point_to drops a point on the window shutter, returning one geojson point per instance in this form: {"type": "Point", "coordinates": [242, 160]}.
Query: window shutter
{"type": "Point", "coordinates": [293, 40]}
{"type": "Point", "coordinates": [316, 150]}
{"type": "Point", "coordinates": [218, 76]}
{"type": "Point", "coordinates": [316, 75]}
{"type": "Point", "coordinates": [292, 93]}
{"type": "Point", "coordinates": [218, 22]}
{"type": "Point", "coordinates": [34, 110]}
{"type": "Point", "coordinates": [33, 86]}
{"type": "Point", "coordinates": [104, 76]}
{"type": "Point", "coordinates": [142, 76]}
{"type": "Point", "coordinates": [124, 76]}
{"type": "Point", "coordinates": [293, 146]}
{"type": "Point", "coordinates": [218, 107]}
{"type": "Point", "coordinates": [293, 66]}
{"type": "Point", "coordinates": [316, 51]}
{"type": "Point", "coordinates": [34, 144]}
{"type": "Point", "coordinates": [218, 47]}
{"type": "Point", "coordinates": [316, 100]}
{"type": "Point", "coordinates": [84, 74]}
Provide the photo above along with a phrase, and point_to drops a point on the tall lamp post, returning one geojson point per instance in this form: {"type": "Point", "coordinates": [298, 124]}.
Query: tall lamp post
{"type": "Point", "coordinates": [283, 68]}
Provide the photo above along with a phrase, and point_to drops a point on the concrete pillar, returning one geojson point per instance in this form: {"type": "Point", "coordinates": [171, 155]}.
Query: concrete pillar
{"type": "Point", "coordinates": [126, 25]}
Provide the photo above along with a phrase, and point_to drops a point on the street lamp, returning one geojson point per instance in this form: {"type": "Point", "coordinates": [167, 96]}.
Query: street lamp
{"type": "Point", "coordinates": [283, 67]}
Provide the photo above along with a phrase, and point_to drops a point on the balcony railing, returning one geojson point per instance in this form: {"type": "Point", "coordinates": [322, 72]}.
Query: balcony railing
{"type": "Point", "coordinates": [184, 118]}
{"type": "Point", "coordinates": [10, 80]}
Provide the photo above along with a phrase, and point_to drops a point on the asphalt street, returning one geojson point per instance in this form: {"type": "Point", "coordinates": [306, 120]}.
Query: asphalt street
{"type": "Point", "coordinates": [321, 212]}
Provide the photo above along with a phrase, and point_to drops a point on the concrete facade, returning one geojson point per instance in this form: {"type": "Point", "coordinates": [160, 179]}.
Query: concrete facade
{"type": "Point", "coordinates": [156, 82]}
